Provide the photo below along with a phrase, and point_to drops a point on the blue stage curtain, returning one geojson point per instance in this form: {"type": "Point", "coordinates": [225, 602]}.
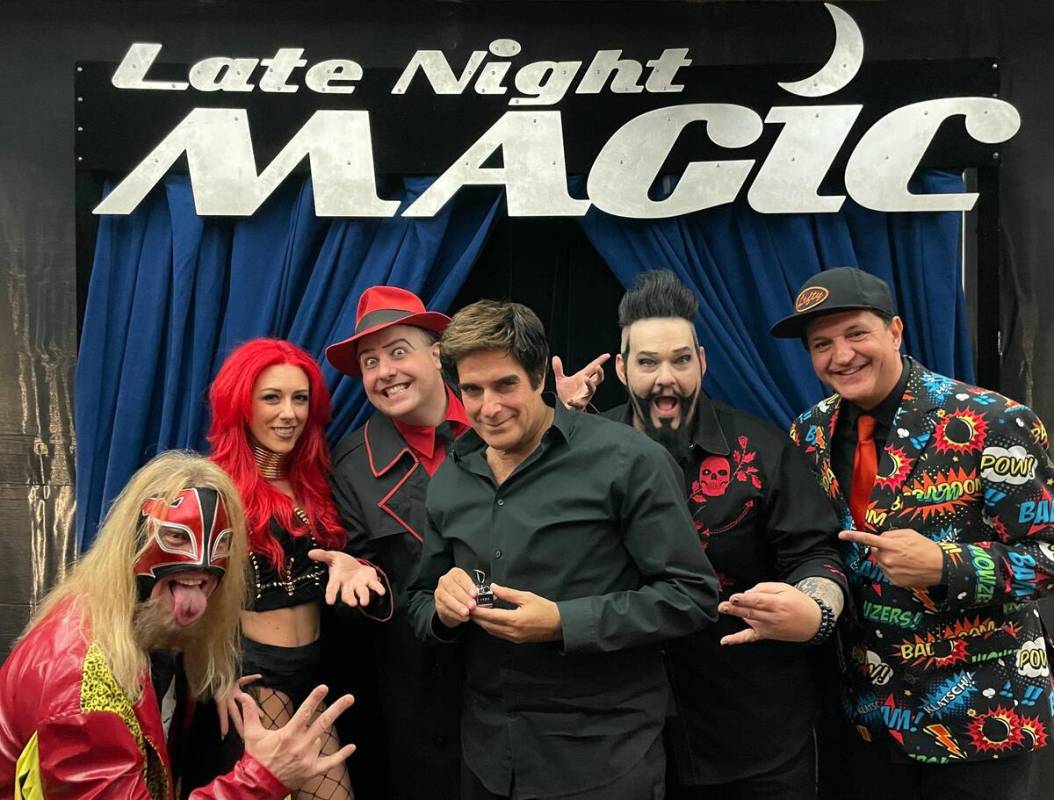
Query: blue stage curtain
{"type": "Point", "coordinates": [172, 293]}
{"type": "Point", "coordinates": [746, 268]}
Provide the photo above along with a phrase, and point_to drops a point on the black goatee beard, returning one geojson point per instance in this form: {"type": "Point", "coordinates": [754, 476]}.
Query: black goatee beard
{"type": "Point", "coordinates": [157, 630]}
{"type": "Point", "coordinates": [677, 441]}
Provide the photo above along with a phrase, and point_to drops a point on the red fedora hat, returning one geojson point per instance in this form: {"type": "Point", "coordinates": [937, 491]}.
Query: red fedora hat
{"type": "Point", "coordinates": [381, 307]}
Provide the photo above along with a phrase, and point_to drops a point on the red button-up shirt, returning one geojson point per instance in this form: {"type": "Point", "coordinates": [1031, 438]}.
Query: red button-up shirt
{"type": "Point", "coordinates": [422, 439]}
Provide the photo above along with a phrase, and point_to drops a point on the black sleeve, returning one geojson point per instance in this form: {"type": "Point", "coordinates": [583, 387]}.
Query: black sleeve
{"type": "Point", "coordinates": [679, 590]}
{"type": "Point", "coordinates": [437, 558]}
{"type": "Point", "coordinates": [802, 523]}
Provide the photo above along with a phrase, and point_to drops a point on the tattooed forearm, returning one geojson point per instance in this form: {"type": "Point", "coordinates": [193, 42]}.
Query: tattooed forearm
{"type": "Point", "coordinates": [823, 589]}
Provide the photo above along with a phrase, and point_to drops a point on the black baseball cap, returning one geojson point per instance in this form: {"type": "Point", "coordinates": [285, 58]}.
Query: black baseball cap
{"type": "Point", "coordinates": [837, 289]}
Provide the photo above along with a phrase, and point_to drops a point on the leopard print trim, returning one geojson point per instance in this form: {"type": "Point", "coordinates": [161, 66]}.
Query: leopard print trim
{"type": "Point", "coordinates": [101, 692]}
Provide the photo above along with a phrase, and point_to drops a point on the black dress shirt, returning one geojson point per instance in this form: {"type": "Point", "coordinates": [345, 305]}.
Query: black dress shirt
{"type": "Point", "coordinates": [843, 445]}
{"type": "Point", "coordinates": [761, 516]}
{"type": "Point", "coordinates": [594, 520]}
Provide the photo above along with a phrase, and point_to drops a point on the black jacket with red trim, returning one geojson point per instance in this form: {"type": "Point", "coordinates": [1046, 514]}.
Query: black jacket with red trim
{"type": "Point", "coordinates": [379, 488]}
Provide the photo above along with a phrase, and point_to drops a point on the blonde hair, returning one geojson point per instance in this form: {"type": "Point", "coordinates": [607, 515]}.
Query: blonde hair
{"type": "Point", "coordinates": [103, 593]}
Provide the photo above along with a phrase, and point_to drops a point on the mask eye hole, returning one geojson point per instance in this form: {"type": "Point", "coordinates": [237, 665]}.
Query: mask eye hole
{"type": "Point", "coordinates": [221, 547]}
{"type": "Point", "coordinates": [176, 539]}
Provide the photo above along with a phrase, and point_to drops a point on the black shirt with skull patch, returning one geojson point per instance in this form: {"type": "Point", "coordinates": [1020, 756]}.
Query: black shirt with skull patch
{"type": "Point", "coordinates": [761, 516]}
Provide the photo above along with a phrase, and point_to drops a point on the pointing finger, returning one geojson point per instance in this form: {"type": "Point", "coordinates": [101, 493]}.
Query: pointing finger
{"type": "Point", "coordinates": [596, 364]}
{"type": "Point", "coordinates": [558, 368]}
{"type": "Point", "coordinates": [868, 539]}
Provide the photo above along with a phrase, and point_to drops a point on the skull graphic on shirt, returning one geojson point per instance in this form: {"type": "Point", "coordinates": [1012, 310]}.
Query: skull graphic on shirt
{"type": "Point", "coordinates": [714, 476]}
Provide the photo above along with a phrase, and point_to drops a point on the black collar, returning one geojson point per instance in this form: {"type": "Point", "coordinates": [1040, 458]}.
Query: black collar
{"type": "Point", "coordinates": [707, 433]}
{"type": "Point", "coordinates": [384, 444]}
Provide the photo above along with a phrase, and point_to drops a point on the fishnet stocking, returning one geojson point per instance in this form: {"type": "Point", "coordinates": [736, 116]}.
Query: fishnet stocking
{"type": "Point", "coordinates": [276, 709]}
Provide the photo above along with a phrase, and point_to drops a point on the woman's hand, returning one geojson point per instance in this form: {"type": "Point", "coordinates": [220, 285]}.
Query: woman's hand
{"type": "Point", "coordinates": [349, 579]}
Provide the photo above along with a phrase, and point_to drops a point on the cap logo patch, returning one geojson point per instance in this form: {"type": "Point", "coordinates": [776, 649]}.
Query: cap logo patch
{"type": "Point", "coordinates": [810, 297]}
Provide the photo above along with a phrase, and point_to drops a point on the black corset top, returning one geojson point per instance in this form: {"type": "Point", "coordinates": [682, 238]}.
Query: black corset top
{"type": "Point", "coordinates": [300, 580]}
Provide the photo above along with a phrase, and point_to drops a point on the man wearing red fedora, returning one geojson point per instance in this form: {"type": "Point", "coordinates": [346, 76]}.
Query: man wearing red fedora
{"type": "Point", "coordinates": [380, 476]}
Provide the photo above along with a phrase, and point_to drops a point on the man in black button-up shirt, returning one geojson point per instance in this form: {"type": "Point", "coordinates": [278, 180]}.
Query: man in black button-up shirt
{"type": "Point", "coordinates": [582, 527]}
{"type": "Point", "coordinates": [745, 713]}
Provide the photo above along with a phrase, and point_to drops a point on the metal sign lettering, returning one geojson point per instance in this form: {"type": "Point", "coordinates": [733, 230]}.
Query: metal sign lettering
{"type": "Point", "coordinates": [529, 136]}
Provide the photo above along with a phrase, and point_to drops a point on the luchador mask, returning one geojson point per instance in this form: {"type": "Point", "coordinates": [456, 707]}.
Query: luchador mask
{"type": "Point", "coordinates": [191, 533]}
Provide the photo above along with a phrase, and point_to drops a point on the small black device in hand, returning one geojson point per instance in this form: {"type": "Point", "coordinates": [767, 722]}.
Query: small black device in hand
{"type": "Point", "coordinates": [484, 596]}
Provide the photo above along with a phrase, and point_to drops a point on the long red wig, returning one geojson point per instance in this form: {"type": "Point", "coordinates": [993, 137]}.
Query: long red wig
{"type": "Point", "coordinates": [231, 402]}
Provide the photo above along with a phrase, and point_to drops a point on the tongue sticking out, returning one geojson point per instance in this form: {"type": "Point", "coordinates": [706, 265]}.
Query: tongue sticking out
{"type": "Point", "coordinates": [188, 602]}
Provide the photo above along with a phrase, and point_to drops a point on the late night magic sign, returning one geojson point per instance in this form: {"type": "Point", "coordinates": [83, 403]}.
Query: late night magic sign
{"type": "Point", "coordinates": [523, 145]}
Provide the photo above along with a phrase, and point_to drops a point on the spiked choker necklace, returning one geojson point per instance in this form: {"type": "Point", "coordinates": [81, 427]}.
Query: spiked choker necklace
{"type": "Point", "coordinates": [273, 466]}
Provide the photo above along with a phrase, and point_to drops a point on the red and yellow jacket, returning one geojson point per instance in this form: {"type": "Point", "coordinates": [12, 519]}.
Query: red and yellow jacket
{"type": "Point", "coordinates": [67, 729]}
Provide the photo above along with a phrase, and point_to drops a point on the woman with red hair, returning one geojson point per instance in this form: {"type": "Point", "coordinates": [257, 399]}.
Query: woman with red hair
{"type": "Point", "coordinates": [269, 409]}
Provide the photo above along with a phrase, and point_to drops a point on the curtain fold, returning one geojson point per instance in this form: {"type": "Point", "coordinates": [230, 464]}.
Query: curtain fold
{"type": "Point", "coordinates": [746, 268]}
{"type": "Point", "coordinates": [172, 293]}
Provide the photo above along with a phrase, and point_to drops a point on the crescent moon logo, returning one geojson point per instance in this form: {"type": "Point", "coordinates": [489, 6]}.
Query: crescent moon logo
{"type": "Point", "coordinates": [841, 67]}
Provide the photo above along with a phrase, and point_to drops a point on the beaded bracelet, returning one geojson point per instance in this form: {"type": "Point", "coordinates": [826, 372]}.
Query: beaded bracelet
{"type": "Point", "coordinates": [827, 623]}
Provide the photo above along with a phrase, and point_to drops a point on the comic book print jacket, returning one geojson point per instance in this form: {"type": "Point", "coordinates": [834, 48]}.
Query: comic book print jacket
{"type": "Point", "coordinates": [957, 671]}
{"type": "Point", "coordinates": [68, 730]}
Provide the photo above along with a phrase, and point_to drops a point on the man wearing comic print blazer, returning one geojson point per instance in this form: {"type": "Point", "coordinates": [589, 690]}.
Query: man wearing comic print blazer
{"type": "Point", "coordinates": [946, 678]}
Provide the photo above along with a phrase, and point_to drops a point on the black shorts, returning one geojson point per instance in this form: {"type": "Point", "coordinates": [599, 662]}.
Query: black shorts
{"type": "Point", "coordinates": [293, 671]}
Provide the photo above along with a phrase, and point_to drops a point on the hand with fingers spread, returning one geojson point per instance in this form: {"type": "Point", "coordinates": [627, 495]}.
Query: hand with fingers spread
{"type": "Point", "coordinates": [776, 611]}
{"type": "Point", "coordinates": [575, 391]}
{"type": "Point", "coordinates": [291, 753]}
{"type": "Point", "coordinates": [908, 558]}
{"type": "Point", "coordinates": [455, 597]}
{"type": "Point", "coordinates": [349, 579]}
{"type": "Point", "coordinates": [223, 703]}
{"type": "Point", "coordinates": [534, 619]}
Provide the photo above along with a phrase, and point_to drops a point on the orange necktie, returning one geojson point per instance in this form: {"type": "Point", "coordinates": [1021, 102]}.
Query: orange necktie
{"type": "Point", "coordinates": [865, 466]}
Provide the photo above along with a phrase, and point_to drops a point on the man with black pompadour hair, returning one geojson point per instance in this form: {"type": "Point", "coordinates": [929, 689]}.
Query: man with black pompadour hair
{"type": "Point", "coordinates": [770, 534]}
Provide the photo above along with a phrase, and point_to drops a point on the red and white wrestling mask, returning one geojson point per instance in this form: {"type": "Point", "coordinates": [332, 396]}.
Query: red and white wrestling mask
{"type": "Point", "coordinates": [191, 533]}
